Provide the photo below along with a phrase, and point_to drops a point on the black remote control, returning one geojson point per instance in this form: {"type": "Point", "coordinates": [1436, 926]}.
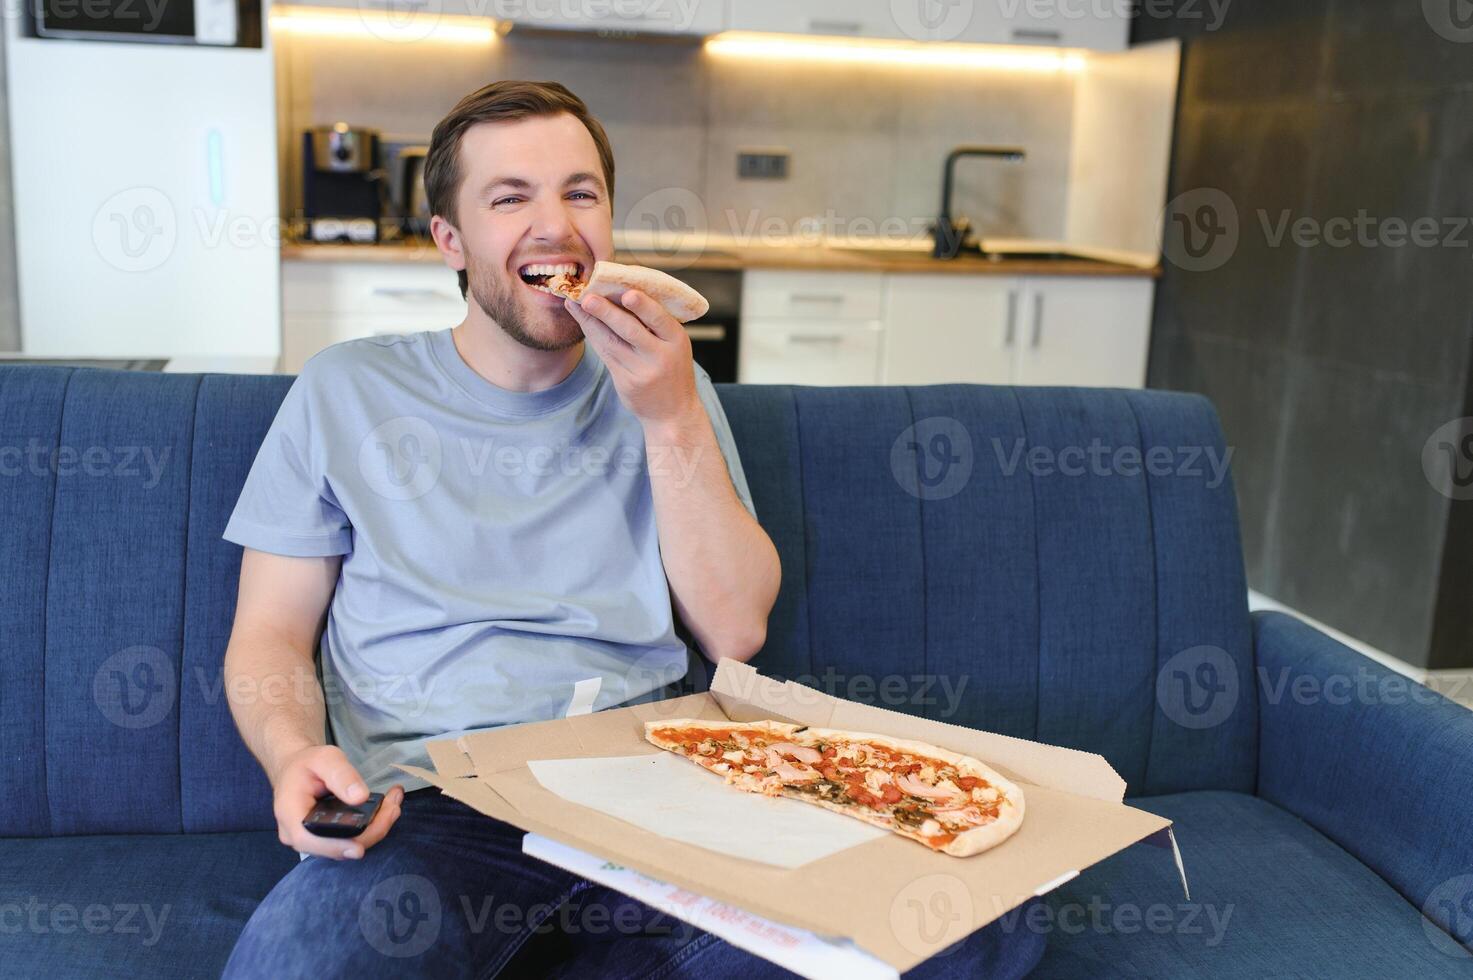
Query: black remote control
{"type": "Point", "coordinates": [331, 817]}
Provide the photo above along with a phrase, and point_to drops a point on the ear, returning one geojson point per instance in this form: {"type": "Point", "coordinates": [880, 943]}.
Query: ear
{"type": "Point", "coordinates": [447, 240]}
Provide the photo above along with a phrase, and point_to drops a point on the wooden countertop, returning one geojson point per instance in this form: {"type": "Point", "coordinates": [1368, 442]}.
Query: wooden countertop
{"type": "Point", "coordinates": [1015, 262]}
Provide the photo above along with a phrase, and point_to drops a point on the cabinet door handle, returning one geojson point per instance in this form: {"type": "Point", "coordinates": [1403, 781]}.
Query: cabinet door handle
{"type": "Point", "coordinates": [705, 331]}
{"type": "Point", "coordinates": [815, 298]}
{"type": "Point", "coordinates": [835, 26]}
{"type": "Point", "coordinates": [410, 292]}
{"type": "Point", "coordinates": [814, 338]}
{"type": "Point", "coordinates": [1036, 36]}
{"type": "Point", "coordinates": [1011, 332]}
{"type": "Point", "coordinates": [1037, 320]}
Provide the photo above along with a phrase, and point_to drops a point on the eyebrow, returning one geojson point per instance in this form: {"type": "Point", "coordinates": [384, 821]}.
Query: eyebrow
{"type": "Point", "coordinates": [522, 184]}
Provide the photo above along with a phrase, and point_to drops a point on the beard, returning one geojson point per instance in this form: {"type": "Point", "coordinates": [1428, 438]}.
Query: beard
{"type": "Point", "coordinates": [501, 299]}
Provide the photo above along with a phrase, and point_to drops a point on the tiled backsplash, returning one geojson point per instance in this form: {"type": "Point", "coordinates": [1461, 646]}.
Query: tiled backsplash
{"type": "Point", "coordinates": [866, 144]}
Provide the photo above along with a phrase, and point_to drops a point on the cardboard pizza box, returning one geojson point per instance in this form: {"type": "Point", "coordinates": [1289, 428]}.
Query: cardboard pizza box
{"type": "Point", "coordinates": [892, 897]}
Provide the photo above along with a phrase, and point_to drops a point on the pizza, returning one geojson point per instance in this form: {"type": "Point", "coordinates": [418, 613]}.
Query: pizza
{"type": "Point", "coordinates": [612, 279]}
{"type": "Point", "coordinates": [949, 802]}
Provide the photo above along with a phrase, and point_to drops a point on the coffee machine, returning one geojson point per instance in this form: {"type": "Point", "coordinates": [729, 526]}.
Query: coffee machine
{"type": "Point", "coordinates": [343, 183]}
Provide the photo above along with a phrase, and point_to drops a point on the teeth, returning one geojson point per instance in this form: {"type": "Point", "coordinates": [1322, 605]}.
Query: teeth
{"type": "Point", "coordinates": [550, 270]}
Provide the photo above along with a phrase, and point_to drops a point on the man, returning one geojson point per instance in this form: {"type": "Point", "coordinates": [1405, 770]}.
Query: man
{"type": "Point", "coordinates": [481, 521]}
{"type": "Point", "coordinates": [488, 525]}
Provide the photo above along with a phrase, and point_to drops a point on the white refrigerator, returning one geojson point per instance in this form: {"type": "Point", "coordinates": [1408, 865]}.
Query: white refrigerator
{"type": "Point", "coordinates": [145, 189]}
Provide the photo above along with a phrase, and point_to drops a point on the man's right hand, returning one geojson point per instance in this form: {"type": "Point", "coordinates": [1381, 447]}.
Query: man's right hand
{"type": "Point", "coordinates": [311, 774]}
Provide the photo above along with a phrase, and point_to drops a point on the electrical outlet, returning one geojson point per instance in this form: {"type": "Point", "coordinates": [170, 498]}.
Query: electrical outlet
{"type": "Point", "coordinates": [762, 164]}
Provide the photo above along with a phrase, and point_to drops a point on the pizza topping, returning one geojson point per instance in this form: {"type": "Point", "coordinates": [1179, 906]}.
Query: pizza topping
{"type": "Point", "coordinates": [787, 771]}
{"type": "Point", "coordinates": [966, 814]}
{"type": "Point", "coordinates": [801, 753]}
{"type": "Point", "coordinates": [917, 786]}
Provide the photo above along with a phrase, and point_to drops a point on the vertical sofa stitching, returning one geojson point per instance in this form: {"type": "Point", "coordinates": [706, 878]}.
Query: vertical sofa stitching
{"type": "Point", "coordinates": [1130, 404]}
{"type": "Point", "coordinates": [803, 519]}
{"type": "Point", "coordinates": [1037, 576]}
{"type": "Point", "coordinates": [184, 602]}
{"type": "Point", "coordinates": [66, 390]}
{"type": "Point", "coordinates": [921, 544]}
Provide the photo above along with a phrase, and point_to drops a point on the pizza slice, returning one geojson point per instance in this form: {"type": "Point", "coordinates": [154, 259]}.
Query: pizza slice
{"type": "Point", "coordinates": [949, 802]}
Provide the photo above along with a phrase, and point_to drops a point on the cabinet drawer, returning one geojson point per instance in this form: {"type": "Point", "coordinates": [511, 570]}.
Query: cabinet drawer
{"type": "Point", "coordinates": [806, 352]}
{"type": "Point", "coordinates": [331, 288]}
{"type": "Point", "coordinates": [700, 17]}
{"type": "Point", "coordinates": [833, 18]}
{"type": "Point", "coordinates": [812, 295]}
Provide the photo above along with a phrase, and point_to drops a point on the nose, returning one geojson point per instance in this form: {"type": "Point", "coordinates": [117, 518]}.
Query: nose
{"type": "Point", "coordinates": [551, 221]}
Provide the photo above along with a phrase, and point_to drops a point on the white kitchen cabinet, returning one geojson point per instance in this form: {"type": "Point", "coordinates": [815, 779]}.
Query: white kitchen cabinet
{"type": "Point", "coordinates": [1056, 23]}
{"type": "Point", "coordinates": [696, 17]}
{"type": "Point", "coordinates": [946, 328]}
{"type": "Point", "coordinates": [812, 328]}
{"type": "Point", "coordinates": [810, 352]}
{"type": "Point", "coordinates": [812, 295]}
{"type": "Point", "coordinates": [324, 303]}
{"type": "Point", "coordinates": [1033, 330]}
{"type": "Point", "coordinates": [833, 18]}
{"type": "Point", "coordinates": [1093, 331]}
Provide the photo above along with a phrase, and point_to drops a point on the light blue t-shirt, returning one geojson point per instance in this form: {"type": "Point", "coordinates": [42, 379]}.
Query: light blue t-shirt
{"type": "Point", "coordinates": [501, 562]}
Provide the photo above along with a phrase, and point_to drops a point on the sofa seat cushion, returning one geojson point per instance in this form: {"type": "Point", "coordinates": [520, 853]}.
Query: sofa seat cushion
{"type": "Point", "coordinates": [158, 906]}
{"type": "Point", "coordinates": [1271, 896]}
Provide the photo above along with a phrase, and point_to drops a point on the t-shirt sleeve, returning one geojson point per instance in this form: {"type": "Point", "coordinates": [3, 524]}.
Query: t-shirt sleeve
{"type": "Point", "coordinates": [717, 414]}
{"type": "Point", "coordinates": [286, 506]}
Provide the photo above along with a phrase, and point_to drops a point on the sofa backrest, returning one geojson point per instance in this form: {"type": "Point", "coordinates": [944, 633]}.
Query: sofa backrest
{"type": "Point", "coordinates": [951, 551]}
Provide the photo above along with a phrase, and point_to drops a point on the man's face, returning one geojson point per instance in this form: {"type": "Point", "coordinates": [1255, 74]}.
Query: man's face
{"type": "Point", "coordinates": [533, 194]}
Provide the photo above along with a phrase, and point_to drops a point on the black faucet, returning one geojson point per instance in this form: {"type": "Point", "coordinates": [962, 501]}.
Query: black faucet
{"type": "Point", "coordinates": [950, 235]}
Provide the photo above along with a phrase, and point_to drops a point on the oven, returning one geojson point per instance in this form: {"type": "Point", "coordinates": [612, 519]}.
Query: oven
{"type": "Point", "coordinates": [714, 338]}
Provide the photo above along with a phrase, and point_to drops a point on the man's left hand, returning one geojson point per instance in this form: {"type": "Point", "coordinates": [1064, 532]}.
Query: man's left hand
{"type": "Point", "coordinates": [647, 352]}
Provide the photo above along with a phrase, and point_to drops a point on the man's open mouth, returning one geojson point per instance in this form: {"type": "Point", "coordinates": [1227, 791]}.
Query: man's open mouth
{"type": "Point", "coordinates": [560, 279]}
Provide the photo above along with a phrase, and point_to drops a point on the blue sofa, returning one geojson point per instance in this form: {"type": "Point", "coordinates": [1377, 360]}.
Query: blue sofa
{"type": "Point", "coordinates": [961, 551]}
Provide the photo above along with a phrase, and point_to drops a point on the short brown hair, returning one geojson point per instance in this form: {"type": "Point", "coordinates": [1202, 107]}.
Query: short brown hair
{"type": "Point", "coordinates": [500, 102]}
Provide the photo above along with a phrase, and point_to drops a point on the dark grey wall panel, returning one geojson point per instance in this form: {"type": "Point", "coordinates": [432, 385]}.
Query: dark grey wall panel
{"type": "Point", "coordinates": [1332, 362]}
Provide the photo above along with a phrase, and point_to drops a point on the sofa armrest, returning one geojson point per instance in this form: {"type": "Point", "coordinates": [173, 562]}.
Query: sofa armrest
{"type": "Point", "coordinates": [1373, 760]}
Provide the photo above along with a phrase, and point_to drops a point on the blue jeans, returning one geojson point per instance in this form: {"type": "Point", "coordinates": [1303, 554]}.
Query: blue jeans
{"type": "Point", "coordinates": [449, 893]}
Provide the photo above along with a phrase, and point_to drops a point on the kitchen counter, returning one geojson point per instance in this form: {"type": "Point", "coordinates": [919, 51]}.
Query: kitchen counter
{"type": "Point", "coordinates": [1008, 257]}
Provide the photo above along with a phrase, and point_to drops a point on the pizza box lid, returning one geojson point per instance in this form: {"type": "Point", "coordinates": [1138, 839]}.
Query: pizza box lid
{"type": "Point", "coordinates": [893, 898]}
